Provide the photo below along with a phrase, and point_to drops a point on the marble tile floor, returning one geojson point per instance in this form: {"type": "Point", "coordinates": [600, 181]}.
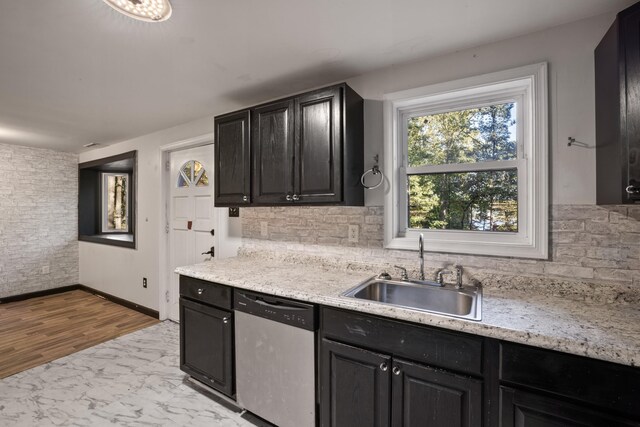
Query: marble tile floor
{"type": "Point", "coordinates": [133, 380]}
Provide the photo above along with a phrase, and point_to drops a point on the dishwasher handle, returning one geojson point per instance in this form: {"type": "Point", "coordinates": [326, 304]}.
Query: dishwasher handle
{"type": "Point", "coordinates": [283, 310]}
{"type": "Point", "coordinates": [278, 304]}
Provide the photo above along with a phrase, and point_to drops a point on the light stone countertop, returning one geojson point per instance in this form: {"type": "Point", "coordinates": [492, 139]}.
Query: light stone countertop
{"type": "Point", "coordinates": [608, 332]}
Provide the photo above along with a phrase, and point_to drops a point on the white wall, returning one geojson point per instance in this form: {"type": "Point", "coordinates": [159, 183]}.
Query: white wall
{"type": "Point", "coordinates": [568, 49]}
{"type": "Point", "coordinates": [119, 271]}
{"type": "Point", "coordinates": [38, 219]}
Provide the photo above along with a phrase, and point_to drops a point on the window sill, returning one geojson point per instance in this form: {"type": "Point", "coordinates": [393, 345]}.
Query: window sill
{"type": "Point", "coordinates": [503, 246]}
{"type": "Point", "coordinates": [121, 240]}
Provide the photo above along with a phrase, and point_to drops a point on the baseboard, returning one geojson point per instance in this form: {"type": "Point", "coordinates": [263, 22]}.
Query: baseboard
{"type": "Point", "coordinates": [133, 306]}
{"type": "Point", "coordinates": [43, 293]}
{"type": "Point", "coordinates": [108, 297]}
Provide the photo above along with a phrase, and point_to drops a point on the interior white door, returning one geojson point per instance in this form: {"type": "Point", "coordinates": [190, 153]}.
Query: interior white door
{"type": "Point", "coordinates": [192, 216]}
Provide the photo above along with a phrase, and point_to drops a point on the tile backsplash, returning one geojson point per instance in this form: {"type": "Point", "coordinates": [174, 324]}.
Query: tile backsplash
{"type": "Point", "coordinates": [588, 243]}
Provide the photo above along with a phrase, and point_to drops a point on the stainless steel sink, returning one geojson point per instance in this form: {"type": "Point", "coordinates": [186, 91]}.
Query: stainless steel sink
{"type": "Point", "coordinates": [424, 296]}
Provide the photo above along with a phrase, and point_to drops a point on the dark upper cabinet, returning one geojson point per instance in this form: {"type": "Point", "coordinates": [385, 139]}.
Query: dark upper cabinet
{"type": "Point", "coordinates": [305, 149]}
{"type": "Point", "coordinates": [273, 152]}
{"type": "Point", "coordinates": [318, 172]}
{"type": "Point", "coordinates": [233, 159]}
{"type": "Point", "coordinates": [617, 71]}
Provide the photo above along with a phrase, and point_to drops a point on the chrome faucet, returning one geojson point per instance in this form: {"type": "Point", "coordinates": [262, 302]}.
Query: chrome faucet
{"type": "Point", "coordinates": [421, 250]}
{"type": "Point", "coordinates": [405, 275]}
{"type": "Point", "coordinates": [458, 273]}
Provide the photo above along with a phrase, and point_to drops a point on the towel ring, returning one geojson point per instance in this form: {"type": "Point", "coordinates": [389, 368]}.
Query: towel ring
{"type": "Point", "coordinates": [375, 170]}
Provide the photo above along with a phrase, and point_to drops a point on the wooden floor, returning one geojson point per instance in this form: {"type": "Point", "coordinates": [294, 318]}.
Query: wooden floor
{"type": "Point", "coordinates": [39, 330]}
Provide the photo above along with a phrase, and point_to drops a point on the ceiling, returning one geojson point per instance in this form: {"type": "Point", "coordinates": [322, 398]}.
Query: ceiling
{"type": "Point", "coordinates": [74, 72]}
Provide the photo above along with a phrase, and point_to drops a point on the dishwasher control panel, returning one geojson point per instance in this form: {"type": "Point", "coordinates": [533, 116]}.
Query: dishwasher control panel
{"type": "Point", "coordinates": [283, 310]}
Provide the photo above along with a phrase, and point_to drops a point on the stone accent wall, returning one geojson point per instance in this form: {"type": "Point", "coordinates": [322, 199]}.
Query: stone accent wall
{"type": "Point", "coordinates": [315, 225]}
{"type": "Point", "coordinates": [38, 219]}
{"type": "Point", "coordinates": [588, 243]}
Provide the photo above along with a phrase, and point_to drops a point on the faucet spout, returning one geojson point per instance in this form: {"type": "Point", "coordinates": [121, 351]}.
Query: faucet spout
{"type": "Point", "coordinates": [421, 250]}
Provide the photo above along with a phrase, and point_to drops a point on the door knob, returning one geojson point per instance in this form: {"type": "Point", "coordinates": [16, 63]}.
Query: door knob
{"type": "Point", "coordinates": [632, 189]}
{"type": "Point", "coordinates": [289, 198]}
{"type": "Point", "coordinates": [396, 370]}
{"type": "Point", "coordinates": [296, 197]}
{"type": "Point", "coordinates": [245, 198]}
{"type": "Point", "coordinates": [384, 367]}
{"type": "Point", "coordinates": [211, 252]}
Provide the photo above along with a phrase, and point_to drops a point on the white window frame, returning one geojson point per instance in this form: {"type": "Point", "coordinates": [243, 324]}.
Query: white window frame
{"type": "Point", "coordinates": [527, 86]}
{"type": "Point", "coordinates": [105, 203]}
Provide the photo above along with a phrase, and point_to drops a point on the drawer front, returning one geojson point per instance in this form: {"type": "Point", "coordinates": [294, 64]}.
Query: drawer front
{"type": "Point", "coordinates": [596, 382]}
{"type": "Point", "coordinates": [434, 347]}
{"type": "Point", "coordinates": [207, 292]}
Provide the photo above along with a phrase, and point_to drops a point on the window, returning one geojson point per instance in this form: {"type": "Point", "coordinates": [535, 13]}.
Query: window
{"type": "Point", "coordinates": [106, 200]}
{"type": "Point", "coordinates": [115, 206]}
{"type": "Point", "coordinates": [468, 165]}
{"type": "Point", "coordinates": [192, 173]}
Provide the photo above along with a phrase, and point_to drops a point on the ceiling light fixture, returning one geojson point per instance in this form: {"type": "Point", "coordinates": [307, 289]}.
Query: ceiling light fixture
{"type": "Point", "coordinates": [143, 10]}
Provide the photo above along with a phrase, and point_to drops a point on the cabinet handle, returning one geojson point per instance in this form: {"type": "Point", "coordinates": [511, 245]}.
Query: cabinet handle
{"type": "Point", "coordinates": [225, 320]}
{"type": "Point", "coordinates": [632, 189]}
{"type": "Point", "coordinates": [296, 197]}
{"type": "Point", "coordinates": [384, 367]}
{"type": "Point", "coordinates": [289, 198]}
{"type": "Point", "coordinates": [200, 291]}
{"type": "Point", "coordinates": [396, 370]}
{"type": "Point", "coordinates": [245, 198]}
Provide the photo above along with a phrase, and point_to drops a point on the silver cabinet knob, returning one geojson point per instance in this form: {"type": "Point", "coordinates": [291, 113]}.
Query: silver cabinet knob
{"type": "Point", "coordinates": [200, 291]}
{"type": "Point", "coordinates": [225, 320]}
{"type": "Point", "coordinates": [632, 189]}
{"type": "Point", "coordinates": [296, 197]}
{"type": "Point", "coordinates": [384, 367]}
{"type": "Point", "coordinates": [289, 198]}
{"type": "Point", "coordinates": [245, 198]}
{"type": "Point", "coordinates": [396, 370]}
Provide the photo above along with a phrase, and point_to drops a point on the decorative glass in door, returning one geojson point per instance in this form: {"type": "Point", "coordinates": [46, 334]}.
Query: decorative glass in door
{"type": "Point", "coordinates": [192, 173]}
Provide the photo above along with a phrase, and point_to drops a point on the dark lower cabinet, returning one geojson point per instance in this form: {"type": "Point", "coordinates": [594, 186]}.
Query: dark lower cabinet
{"type": "Point", "coordinates": [524, 409]}
{"type": "Point", "coordinates": [365, 388]}
{"type": "Point", "coordinates": [355, 386]}
{"type": "Point", "coordinates": [425, 396]}
{"type": "Point", "coordinates": [206, 334]}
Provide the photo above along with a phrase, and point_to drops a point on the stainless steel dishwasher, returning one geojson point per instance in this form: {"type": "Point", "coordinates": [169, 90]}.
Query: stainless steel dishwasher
{"type": "Point", "coordinates": [275, 358]}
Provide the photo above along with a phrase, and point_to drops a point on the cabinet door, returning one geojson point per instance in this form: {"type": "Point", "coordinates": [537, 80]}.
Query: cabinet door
{"type": "Point", "coordinates": [354, 386]}
{"type": "Point", "coordinates": [233, 160]}
{"type": "Point", "coordinates": [206, 346]}
{"type": "Point", "coordinates": [426, 396]}
{"type": "Point", "coordinates": [272, 147]}
{"type": "Point", "coordinates": [522, 409]}
{"type": "Point", "coordinates": [318, 168]}
{"type": "Point", "coordinates": [631, 144]}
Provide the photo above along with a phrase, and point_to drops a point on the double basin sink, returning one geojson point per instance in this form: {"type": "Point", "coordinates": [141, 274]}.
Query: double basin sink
{"type": "Point", "coordinates": [465, 302]}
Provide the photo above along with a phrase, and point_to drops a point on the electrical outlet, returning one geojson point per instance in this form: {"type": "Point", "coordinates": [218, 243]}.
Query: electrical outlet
{"type": "Point", "coordinates": [264, 229]}
{"type": "Point", "coordinates": [45, 269]}
{"type": "Point", "coordinates": [144, 282]}
{"type": "Point", "coordinates": [354, 233]}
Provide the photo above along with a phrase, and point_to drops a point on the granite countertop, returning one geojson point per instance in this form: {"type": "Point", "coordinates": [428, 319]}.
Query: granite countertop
{"type": "Point", "coordinates": [608, 332]}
